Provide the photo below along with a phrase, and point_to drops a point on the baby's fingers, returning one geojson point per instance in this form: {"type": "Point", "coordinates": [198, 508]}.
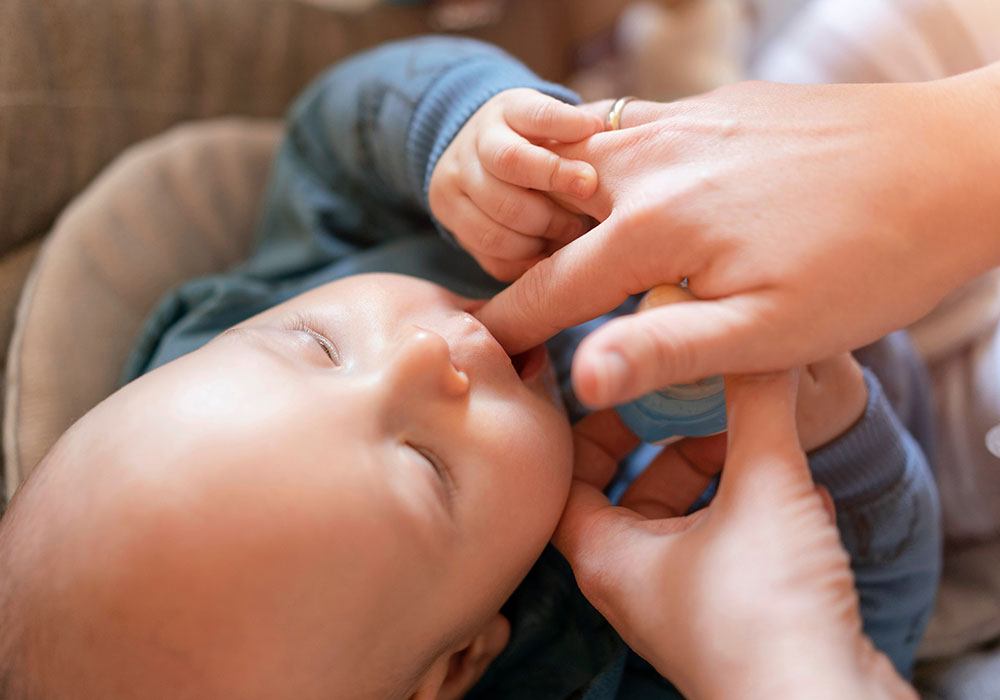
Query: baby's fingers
{"type": "Point", "coordinates": [523, 210]}
{"type": "Point", "coordinates": [501, 251]}
{"type": "Point", "coordinates": [676, 477]}
{"type": "Point", "coordinates": [538, 116]}
{"type": "Point", "coordinates": [513, 159]}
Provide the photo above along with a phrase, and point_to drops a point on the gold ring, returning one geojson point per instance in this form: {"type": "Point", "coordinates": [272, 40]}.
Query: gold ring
{"type": "Point", "coordinates": [615, 115]}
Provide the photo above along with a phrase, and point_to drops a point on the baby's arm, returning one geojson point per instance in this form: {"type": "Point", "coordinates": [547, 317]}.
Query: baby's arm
{"type": "Point", "coordinates": [886, 505]}
{"type": "Point", "coordinates": [362, 141]}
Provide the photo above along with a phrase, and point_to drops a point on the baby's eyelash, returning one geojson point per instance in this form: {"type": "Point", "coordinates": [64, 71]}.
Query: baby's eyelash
{"type": "Point", "coordinates": [305, 325]}
{"type": "Point", "coordinates": [437, 464]}
{"type": "Point", "coordinates": [323, 343]}
{"type": "Point", "coordinates": [431, 459]}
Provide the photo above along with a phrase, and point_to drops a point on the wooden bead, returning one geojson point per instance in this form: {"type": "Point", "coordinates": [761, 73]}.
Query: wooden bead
{"type": "Point", "coordinates": [663, 294]}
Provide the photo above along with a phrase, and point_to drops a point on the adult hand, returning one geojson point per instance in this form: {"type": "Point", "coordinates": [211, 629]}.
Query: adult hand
{"type": "Point", "coordinates": [749, 597]}
{"type": "Point", "coordinates": [815, 219]}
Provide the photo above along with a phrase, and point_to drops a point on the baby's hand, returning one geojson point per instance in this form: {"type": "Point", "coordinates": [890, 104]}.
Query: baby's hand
{"type": "Point", "coordinates": [832, 398]}
{"type": "Point", "coordinates": [486, 188]}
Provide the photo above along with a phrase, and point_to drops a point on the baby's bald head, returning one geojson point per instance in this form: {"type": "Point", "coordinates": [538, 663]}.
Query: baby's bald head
{"type": "Point", "coordinates": [146, 558]}
{"type": "Point", "coordinates": [268, 517]}
{"type": "Point", "coordinates": [108, 590]}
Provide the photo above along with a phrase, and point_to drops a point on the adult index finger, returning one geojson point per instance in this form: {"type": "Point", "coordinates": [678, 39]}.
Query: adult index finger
{"type": "Point", "coordinates": [586, 278]}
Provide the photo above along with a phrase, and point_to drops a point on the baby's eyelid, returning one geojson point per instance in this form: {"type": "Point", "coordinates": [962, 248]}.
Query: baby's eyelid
{"type": "Point", "coordinates": [437, 464]}
{"type": "Point", "coordinates": [306, 323]}
{"type": "Point", "coordinates": [328, 347]}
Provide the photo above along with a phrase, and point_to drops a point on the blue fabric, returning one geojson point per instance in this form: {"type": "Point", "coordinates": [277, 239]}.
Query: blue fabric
{"type": "Point", "coordinates": [889, 520]}
{"type": "Point", "coordinates": [348, 194]}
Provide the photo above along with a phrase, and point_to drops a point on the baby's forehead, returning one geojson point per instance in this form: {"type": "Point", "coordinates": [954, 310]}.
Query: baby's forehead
{"type": "Point", "coordinates": [364, 301]}
{"type": "Point", "coordinates": [379, 286]}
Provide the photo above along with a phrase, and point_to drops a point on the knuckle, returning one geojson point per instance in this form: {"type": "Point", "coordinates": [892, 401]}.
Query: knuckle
{"type": "Point", "coordinates": [511, 210]}
{"type": "Point", "coordinates": [657, 348]}
{"type": "Point", "coordinates": [544, 113]}
{"type": "Point", "coordinates": [491, 239]}
{"type": "Point", "coordinates": [674, 351]}
{"type": "Point", "coordinates": [508, 158]}
{"type": "Point", "coordinates": [533, 293]}
{"type": "Point", "coordinates": [645, 211]}
{"type": "Point", "coordinates": [553, 169]}
{"type": "Point", "coordinates": [565, 228]}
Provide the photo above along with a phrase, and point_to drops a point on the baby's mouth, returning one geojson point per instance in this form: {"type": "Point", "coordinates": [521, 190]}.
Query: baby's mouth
{"type": "Point", "coordinates": [530, 363]}
{"type": "Point", "coordinates": [537, 373]}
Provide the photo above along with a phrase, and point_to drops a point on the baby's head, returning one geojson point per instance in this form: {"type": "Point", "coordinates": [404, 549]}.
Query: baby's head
{"type": "Point", "coordinates": [332, 499]}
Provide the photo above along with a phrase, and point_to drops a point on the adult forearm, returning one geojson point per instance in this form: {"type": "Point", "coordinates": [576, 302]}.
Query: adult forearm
{"type": "Point", "coordinates": [969, 151]}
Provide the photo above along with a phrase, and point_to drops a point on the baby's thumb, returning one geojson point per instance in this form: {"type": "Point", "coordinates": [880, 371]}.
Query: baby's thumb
{"type": "Point", "coordinates": [683, 342]}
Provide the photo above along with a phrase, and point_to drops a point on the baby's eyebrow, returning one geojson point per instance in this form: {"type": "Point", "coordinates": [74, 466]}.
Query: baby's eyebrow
{"type": "Point", "coordinates": [256, 338]}
{"type": "Point", "coordinates": [236, 332]}
{"type": "Point", "coordinates": [249, 335]}
{"type": "Point", "coordinates": [303, 320]}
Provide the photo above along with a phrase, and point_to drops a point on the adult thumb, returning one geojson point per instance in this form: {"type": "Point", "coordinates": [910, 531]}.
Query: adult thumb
{"type": "Point", "coordinates": [763, 454]}
{"type": "Point", "coordinates": [683, 342]}
{"type": "Point", "coordinates": [577, 283]}
{"type": "Point", "coordinates": [593, 535]}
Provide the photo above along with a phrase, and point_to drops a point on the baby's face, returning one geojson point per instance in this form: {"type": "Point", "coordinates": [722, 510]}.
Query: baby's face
{"type": "Point", "coordinates": [357, 476]}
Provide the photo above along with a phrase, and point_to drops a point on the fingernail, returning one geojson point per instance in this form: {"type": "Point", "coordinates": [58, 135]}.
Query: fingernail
{"type": "Point", "coordinates": [612, 372]}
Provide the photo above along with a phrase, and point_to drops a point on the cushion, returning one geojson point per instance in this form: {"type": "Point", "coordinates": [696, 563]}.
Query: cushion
{"type": "Point", "coordinates": [179, 206]}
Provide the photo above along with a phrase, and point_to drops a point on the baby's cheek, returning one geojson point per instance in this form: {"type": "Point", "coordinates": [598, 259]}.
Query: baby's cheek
{"type": "Point", "coordinates": [532, 441]}
{"type": "Point", "coordinates": [547, 455]}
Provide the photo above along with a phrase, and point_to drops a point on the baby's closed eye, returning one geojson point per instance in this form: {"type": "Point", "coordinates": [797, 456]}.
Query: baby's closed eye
{"type": "Point", "coordinates": [304, 324]}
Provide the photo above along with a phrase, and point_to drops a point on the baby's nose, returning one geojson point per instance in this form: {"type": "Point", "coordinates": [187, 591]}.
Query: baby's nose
{"type": "Point", "coordinates": [423, 358]}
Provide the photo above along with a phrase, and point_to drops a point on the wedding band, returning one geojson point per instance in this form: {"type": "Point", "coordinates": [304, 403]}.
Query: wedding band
{"type": "Point", "coordinates": [615, 115]}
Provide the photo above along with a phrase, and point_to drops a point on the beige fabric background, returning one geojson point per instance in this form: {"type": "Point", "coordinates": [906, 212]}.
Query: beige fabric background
{"type": "Point", "coordinates": [181, 205]}
{"type": "Point", "coordinates": [80, 80]}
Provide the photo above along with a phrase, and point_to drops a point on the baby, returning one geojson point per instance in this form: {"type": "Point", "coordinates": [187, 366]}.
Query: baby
{"type": "Point", "coordinates": [348, 493]}
{"type": "Point", "coordinates": [344, 488]}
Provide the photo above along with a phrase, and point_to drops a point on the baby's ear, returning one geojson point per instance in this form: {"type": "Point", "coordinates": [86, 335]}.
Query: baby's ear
{"type": "Point", "coordinates": [454, 673]}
